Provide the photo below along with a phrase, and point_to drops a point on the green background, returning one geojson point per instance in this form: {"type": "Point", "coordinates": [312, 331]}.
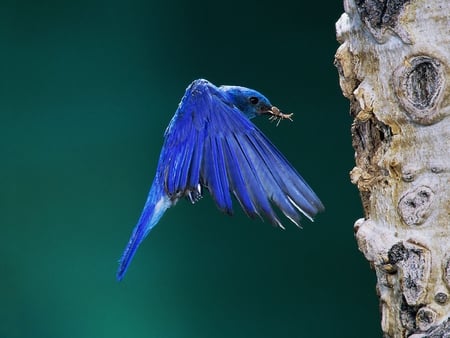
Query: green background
{"type": "Point", "coordinates": [86, 91]}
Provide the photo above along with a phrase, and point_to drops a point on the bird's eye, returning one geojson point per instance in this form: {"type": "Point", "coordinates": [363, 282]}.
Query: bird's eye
{"type": "Point", "coordinates": [253, 100]}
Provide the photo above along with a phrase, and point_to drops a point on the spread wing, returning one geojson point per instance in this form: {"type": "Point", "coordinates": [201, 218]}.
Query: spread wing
{"type": "Point", "coordinates": [210, 143]}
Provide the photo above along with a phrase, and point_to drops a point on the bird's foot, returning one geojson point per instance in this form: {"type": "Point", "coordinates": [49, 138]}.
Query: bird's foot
{"type": "Point", "coordinates": [194, 195]}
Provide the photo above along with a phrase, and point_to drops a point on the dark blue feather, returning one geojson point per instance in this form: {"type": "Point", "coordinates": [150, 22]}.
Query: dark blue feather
{"type": "Point", "coordinates": [237, 180]}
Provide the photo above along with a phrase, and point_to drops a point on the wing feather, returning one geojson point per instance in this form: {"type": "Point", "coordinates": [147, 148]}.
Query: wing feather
{"type": "Point", "coordinates": [196, 161]}
{"type": "Point", "coordinates": [209, 142]}
{"type": "Point", "coordinates": [237, 183]}
{"type": "Point", "coordinates": [302, 196]}
{"type": "Point", "coordinates": [273, 185]}
{"type": "Point", "coordinates": [214, 175]}
{"type": "Point", "coordinates": [253, 183]}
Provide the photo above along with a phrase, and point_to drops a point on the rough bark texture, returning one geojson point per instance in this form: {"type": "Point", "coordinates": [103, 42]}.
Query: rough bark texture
{"type": "Point", "coordinates": [394, 67]}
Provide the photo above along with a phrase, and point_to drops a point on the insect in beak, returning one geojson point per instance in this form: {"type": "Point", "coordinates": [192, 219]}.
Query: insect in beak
{"type": "Point", "coordinates": [277, 115]}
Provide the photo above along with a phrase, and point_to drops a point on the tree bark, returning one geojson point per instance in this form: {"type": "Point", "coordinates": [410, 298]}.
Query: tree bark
{"type": "Point", "coordinates": [394, 67]}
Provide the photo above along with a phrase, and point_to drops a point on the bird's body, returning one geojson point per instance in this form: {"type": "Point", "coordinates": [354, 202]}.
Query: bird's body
{"type": "Point", "coordinates": [211, 143]}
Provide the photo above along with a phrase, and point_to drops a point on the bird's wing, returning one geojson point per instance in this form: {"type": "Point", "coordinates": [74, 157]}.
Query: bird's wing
{"type": "Point", "coordinates": [210, 143]}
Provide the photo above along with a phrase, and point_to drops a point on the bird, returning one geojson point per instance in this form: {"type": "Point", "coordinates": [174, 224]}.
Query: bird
{"type": "Point", "coordinates": [211, 144]}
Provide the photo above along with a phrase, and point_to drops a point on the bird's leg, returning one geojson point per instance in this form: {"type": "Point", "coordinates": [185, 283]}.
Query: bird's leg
{"type": "Point", "coordinates": [277, 114]}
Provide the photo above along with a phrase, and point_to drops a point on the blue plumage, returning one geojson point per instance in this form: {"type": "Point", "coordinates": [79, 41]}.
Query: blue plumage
{"type": "Point", "coordinates": [210, 142]}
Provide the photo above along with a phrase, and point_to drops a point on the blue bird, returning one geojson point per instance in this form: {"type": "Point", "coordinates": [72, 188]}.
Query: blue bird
{"type": "Point", "coordinates": [211, 143]}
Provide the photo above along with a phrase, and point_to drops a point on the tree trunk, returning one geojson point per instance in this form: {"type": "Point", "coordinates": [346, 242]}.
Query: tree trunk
{"type": "Point", "coordinates": [394, 67]}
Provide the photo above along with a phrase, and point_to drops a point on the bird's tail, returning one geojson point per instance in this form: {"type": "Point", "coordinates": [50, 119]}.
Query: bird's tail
{"type": "Point", "coordinates": [155, 206]}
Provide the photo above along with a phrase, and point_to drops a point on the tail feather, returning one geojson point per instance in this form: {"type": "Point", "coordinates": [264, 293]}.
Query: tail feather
{"type": "Point", "coordinates": [155, 206]}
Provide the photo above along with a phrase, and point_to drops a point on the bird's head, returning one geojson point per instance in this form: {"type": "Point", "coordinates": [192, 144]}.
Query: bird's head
{"type": "Point", "coordinates": [252, 103]}
{"type": "Point", "coordinates": [248, 101]}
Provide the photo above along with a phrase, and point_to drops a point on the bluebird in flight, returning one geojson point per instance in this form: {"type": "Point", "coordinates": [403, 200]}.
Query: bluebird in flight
{"type": "Point", "coordinates": [211, 143]}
